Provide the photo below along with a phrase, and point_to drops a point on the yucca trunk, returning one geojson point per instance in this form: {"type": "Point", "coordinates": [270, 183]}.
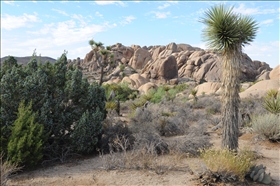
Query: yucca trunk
{"type": "Point", "coordinates": [230, 97]}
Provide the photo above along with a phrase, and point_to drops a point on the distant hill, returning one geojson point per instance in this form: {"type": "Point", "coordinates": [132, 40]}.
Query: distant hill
{"type": "Point", "coordinates": [25, 60]}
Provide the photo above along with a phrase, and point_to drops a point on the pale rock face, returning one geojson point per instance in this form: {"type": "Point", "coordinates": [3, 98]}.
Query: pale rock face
{"type": "Point", "coordinates": [260, 88]}
{"type": "Point", "coordinates": [275, 73]}
{"type": "Point", "coordinates": [162, 68]}
{"type": "Point", "coordinates": [263, 76]}
{"type": "Point", "coordinates": [207, 88]}
{"type": "Point", "coordinates": [143, 89]}
{"type": "Point", "coordinates": [135, 81]}
{"type": "Point", "coordinates": [140, 58]}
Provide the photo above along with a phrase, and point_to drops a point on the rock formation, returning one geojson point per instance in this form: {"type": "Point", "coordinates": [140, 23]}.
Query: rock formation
{"type": "Point", "coordinates": [173, 63]}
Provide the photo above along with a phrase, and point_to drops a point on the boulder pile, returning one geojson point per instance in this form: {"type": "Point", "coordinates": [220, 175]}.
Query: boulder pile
{"type": "Point", "coordinates": [174, 63]}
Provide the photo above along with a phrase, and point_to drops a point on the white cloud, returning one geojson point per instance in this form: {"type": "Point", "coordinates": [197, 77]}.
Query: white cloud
{"type": "Point", "coordinates": [266, 22]}
{"type": "Point", "coordinates": [9, 3]}
{"type": "Point", "coordinates": [110, 2]}
{"type": "Point", "coordinates": [10, 22]}
{"type": "Point", "coordinates": [98, 14]}
{"type": "Point", "coordinates": [164, 6]}
{"type": "Point", "coordinates": [53, 38]}
{"type": "Point", "coordinates": [161, 15]}
{"type": "Point", "coordinates": [253, 11]}
{"type": "Point", "coordinates": [66, 33]}
{"type": "Point", "coordinates": [267, 52]}
{"type": "Point", "coordinates": [60, 12]}
{"type": "Point", "coordinates": [128, 19]}
{"type": "Point", "coordinates": [80, 18]}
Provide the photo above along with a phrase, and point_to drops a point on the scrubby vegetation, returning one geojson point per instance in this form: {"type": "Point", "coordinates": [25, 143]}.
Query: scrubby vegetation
{"type": "Point", "coordinates": [267, 125]}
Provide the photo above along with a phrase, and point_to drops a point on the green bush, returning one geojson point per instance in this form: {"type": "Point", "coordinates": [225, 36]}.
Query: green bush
{"type": "Point", "coordinates": [267, 125]}
{"type": "Point", "coordinates": [60, 95]}
{"type": "Point", "coordinates": [85, 134]}
{"type": "Point", "coordinates": [25, 145]}
{"type": "Point", "coordinates": [122, 91]}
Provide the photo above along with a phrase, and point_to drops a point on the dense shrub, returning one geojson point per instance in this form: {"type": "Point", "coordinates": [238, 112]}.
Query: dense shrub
{"type": "Point", "coordinates": [267, 125]}
{"type": "Point", "coordinates": [60, 96]}
{"type": "Point", "coordinates": [25, 145]}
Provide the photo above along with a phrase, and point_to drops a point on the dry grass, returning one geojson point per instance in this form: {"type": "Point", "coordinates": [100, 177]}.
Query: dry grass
{"type": "Point", "coordinates": [7, 169]}
{"type": "Point", "coordinates": [228, 163]}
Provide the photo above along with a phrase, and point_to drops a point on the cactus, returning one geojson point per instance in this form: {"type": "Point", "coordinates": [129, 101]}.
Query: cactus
{"type": "Point", "coordinates": [258, 174]}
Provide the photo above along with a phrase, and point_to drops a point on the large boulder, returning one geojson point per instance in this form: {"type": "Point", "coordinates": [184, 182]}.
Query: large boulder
{"type": "Point", "coordinates": [143, 89]}
{"type": "Point", "coordinates": [162, 68]}
{"type": "Point", "coordinates": [140, 58]}
{"type": "Point", "coordinates": [260, 88]}
{"type": "Point", "coordinates": [275, 73]}
{"type": "Point", "coordinates": [135, 81]}
{"type": "Point", "coordinates": [207, 88]}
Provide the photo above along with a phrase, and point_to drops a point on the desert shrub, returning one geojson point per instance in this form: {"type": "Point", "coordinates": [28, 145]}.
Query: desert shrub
{"type": "Point", "coordinates": [195, 138]}
{"type": "Point", "coordinates": [7, 168]}
{"type": "Point", "coordinates": [122, 91]}
{"type": "Point", "coordinates": [151, 143]}
{"type": "Point", "coordinates": [181, 87]}
{"type": "Point", "coordinates": [209, 103]}
{"type": "Point", "coordinates": [227, 163]}
{"type": "Point", "coordinates": [115, 130]}
{"type": "Point", "coordinates": [158, 95]}
{"type": "Point", "coordinates": [272, 102]}
{"type": "Point", "coordinates": [267, 125]}
{"type": "Point", "coordinates": [252, 106]}
{"type": "Point", "coordinates": [167, 127]}
{"type": "Point", "coordinates": [25, 147]}
{"type": "Point", "coordinates": [111, 105]}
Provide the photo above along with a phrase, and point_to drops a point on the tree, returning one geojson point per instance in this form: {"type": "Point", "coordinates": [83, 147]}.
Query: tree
{"type": "Point", "coordinates": [25, 145]}
{"type": "Point", "coordinates": [60, 95]}
{"type": "Point", "coordinates": [227, 32]}
{"type": "Point", "coordinates": [103, 57]}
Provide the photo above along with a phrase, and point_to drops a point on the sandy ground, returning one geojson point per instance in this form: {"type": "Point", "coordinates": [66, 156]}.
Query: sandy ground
{"type": "Point", "coordinates": [90, 171]}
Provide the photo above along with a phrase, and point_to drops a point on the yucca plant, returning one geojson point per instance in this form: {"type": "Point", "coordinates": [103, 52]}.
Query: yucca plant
{"type": "Point", "coordinates": [227, 32]}
{"type": "Point", "coordinates": [272, 101]}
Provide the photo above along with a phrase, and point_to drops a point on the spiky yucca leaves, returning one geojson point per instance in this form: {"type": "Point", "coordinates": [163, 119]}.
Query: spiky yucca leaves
{"type": "Point", "coordinates": [272, 101]}
{"type": "Point", "coordinates": [227, 32]}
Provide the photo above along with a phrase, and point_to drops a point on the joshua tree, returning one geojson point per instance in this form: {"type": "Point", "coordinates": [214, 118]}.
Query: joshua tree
{"type": "Point", "coordinates": [227, 32]}
{"type": "Point", "coordinates": [104, 57]}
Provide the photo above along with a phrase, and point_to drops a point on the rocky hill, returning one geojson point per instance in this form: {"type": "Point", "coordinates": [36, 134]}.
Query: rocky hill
{"type": "Point", "coordinates": [173, 63]}
{"type": "Point", "coordinates": [25, 60]}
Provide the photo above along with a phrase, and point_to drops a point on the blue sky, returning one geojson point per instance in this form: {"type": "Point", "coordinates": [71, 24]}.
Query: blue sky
{"type": "Point", "coordinates": [51, 27]}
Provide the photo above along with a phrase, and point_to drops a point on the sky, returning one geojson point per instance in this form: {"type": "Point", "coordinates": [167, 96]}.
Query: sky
{"type": "Point", "coordinates": [52, 27]}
